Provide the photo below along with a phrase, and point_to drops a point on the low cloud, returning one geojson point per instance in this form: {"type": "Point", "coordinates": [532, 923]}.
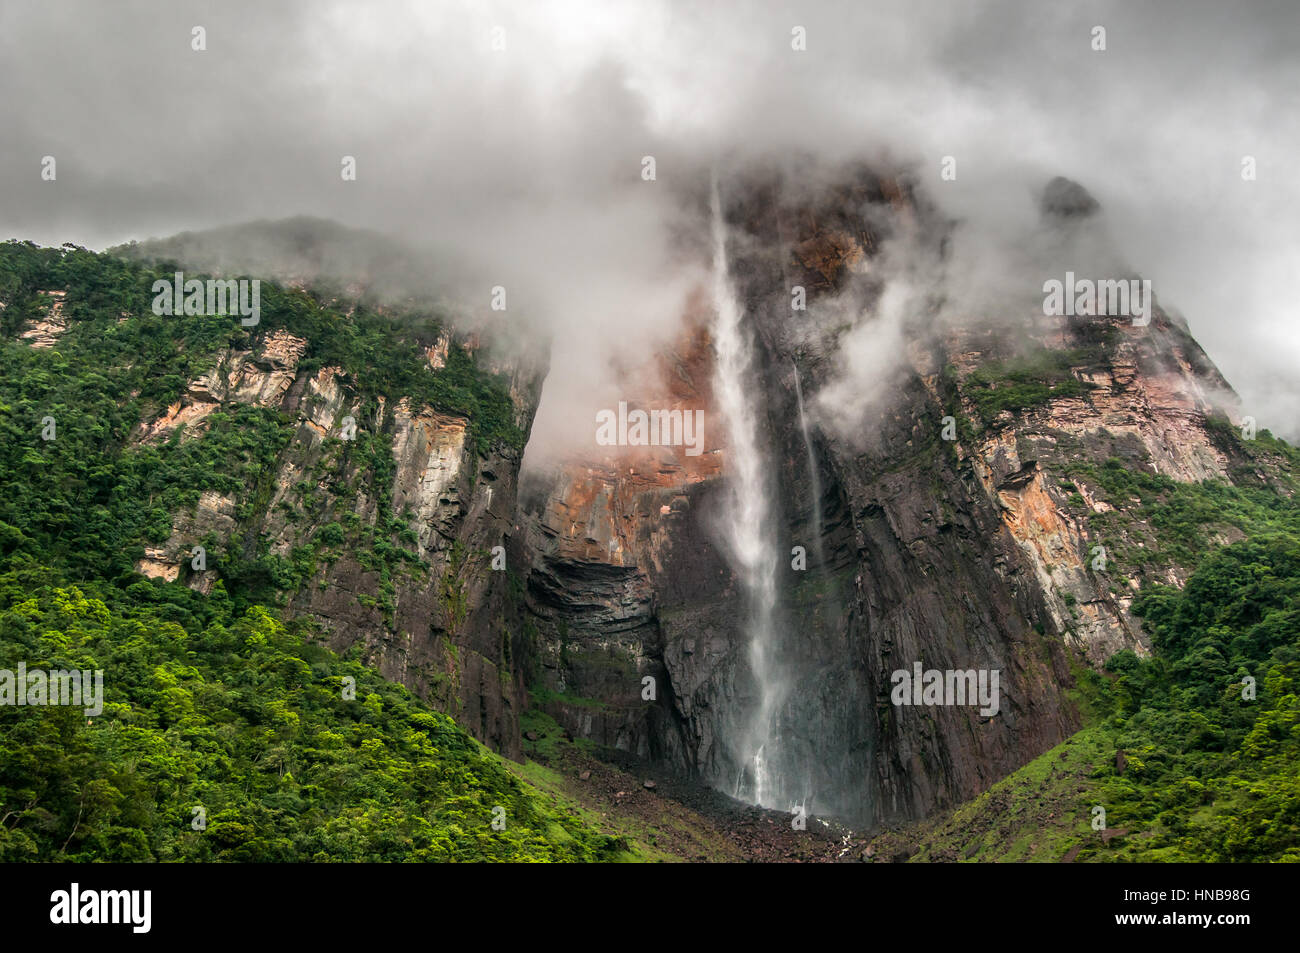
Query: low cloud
{"type": "Point", "coordinates": [505, 142]}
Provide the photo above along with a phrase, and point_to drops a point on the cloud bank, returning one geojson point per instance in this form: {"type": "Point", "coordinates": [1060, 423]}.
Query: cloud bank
{"type": "Point", "coordinates": [506, 140]}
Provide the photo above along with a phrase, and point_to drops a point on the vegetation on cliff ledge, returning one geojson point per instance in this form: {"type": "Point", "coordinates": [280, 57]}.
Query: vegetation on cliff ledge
{"type": "Point", "coordinates": [116, 345]}
{"type": "Point", "coordinates": [1030, 380]}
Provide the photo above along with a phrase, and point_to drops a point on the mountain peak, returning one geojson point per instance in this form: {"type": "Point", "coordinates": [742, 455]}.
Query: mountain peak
{"type": "Point", "coordinates": [1064, 199]}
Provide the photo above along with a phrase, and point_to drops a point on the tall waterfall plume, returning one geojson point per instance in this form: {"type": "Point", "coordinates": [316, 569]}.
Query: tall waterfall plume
{"type": "Point", "coordinates": [748, 528]}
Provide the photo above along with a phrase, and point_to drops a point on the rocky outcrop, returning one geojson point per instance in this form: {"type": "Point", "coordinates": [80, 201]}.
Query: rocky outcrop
{"type": "Point", "coordinates": [259, 377]}
{"type": "Point", "coordinates": [45, 331]}
{"type": "Point", "coordinates": [389, 552]}
{"type": "Point", "coordinates": [214, 514]}
{"type": "Point", "coordinates": [1136, 410]}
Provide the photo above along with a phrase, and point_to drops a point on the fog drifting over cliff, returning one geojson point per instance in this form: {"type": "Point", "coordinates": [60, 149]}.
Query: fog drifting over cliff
{"type": "Point", "coordinates": [507, 140]}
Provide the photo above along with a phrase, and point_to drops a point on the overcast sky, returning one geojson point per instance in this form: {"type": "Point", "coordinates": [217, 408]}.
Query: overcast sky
{"type": "Point", "coordinates": [526, 159]}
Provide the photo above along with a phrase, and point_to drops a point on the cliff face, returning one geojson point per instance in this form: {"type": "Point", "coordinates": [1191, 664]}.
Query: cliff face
{"type": "Point", "coordinates": [969, 548]}
{"type": "Point", "coordinates": [615, 552]}
{"type": "Point", "coordinates": [352, 473]}
{"type": "Point", "coordinates": [1148, 407]}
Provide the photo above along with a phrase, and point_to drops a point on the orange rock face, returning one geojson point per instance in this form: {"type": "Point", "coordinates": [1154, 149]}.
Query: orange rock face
{"type": "Point", "coordinates": [607, 501]}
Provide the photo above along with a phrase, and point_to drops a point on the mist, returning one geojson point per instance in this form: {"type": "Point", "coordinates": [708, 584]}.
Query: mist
{"type": "Point", "coordinates": [505, 143]}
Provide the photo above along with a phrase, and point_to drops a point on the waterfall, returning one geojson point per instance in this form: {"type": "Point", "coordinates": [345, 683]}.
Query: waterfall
{"type": "Point", "coordinates": [815, 480]}
{"type": "Point", "coordinates": [748, 524]}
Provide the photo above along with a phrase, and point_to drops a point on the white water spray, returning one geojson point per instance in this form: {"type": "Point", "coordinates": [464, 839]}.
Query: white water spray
{"type": "Point", "coordinates": [748, 522]}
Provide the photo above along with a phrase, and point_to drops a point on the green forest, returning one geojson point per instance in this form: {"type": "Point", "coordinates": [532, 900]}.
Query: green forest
{"type": "Point", "coordinates": [1210, 726]}
{"type": "Point", "coordinates": [241, 718]}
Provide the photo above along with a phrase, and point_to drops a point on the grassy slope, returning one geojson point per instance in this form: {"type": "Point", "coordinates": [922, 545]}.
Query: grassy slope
{"type": "Point", "coordinates": [1036, 814]}
{"type": "Point", "coordinates": [653, 828]}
